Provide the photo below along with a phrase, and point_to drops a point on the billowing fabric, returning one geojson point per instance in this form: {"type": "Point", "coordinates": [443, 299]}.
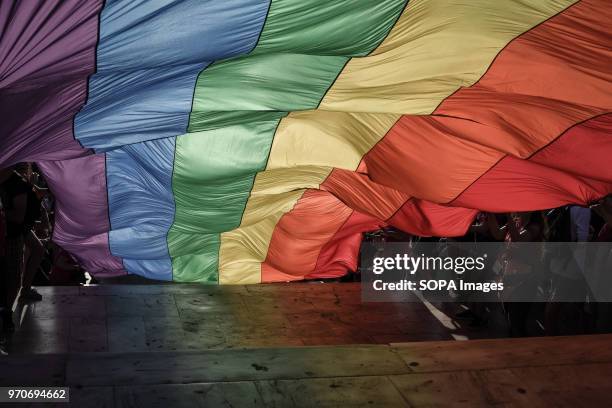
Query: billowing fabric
{"type": "Point", "coordinates": [148, 60]}
{"type": "Point", "coordinates": [81, 211]}
{"type": "Point", "coordinates": [255, 141]}
{"type": "Point", "coordinates": [141, 205]}
{"type": "Point", "coordinates": [47, 51]}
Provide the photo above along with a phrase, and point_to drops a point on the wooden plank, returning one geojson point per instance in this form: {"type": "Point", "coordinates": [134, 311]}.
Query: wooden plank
{"type": "Point", "coordinates": [23, 342]}
{"type": "Point", "coordinates": [214, 322]}
{"type": "Point", "coordinates": [254, 340]}
{"type": "Point", "coordinates": [123, 305]}
{"type": "Point", "coordinates": [286, 288]}
{"type": "Point", "coordinates": [218, 330]}
{"type": "Point", "coordinates": [215, 318]}
{"type": "Point", "coordinates": [487, 354]}
{"type": "Point", "coordinates": [44, 326]}
{"type": "Point", "coordinates": [231, 365]}
{"type": "Point", "coordinates": [42, 370]}
{"type": "Point", "coordinates": [328, 376]}
{"type": "Point", "coordinates": [88, 335]}
{"type": "Point", "coordinates": [204, 341]}
{"type": "Point", "coordinates": [118, 289]}
{"type": "Point", "coordinates": [164, 334]}
{"type": "Point", "coordinates": [331, 392]}
{"type": "Point", "coordinates": [230, 394]}
{"type": "Point", "coordinates": [409, 337]}
{"type": "Point", "coordinates": [580, 385]}
{"type": "Point", "coordinates": [196, 288]}
{"type": "Point", "coordinates": [162, 305]}
{"type": "Point", "coordinates": [353, 338]}
{"type": "Point", "coordinates": [450, 389]}
{"type": "Point", "coordinates": [70, 306]}
{"type": "Point", "coordinates": [225, 303]}
{"type": "Point", "coordinates": [158, 289]}
{"type": "Point", "coordinates": [238, 316]}
{"type": "Point", "coordinates": [390, 321]}
{"type": "Point", "coordinates": [57, 290]}
{"type": "Point", "coordinates": [321, 325]}
{"type": "Point", "coordinates": [98, 397]}
{"type": "Point", "coordinates": [126, 334]}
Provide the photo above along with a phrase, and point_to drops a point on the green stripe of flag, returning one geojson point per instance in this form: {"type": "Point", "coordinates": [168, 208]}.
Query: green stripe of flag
{"type": "Point", "coordinates": [238, 104]}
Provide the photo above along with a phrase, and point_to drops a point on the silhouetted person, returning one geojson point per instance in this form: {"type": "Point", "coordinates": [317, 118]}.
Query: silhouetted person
{"type": "Point", "coordinates": [22, 208]}
{"type": "Point", "coordinates": [5, 310]}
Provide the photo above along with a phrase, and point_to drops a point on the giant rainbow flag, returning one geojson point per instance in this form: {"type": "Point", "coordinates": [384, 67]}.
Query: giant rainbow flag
{"type": "Point", "coordinates": [247, 141]}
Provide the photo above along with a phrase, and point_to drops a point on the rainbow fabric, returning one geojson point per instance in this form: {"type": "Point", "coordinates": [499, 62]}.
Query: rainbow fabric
{"type": "Point", "coordinates": [251, 141]}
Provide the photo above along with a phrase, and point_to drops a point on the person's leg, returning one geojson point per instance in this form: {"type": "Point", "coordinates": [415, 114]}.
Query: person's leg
{"type": "Point", "coordinates": [565, 309]}
{"type": "Point", "coordinates": [4, 308]}
{"type": "Point", "coordinates": [519, 308]}
{"type": "Point", "coordinates": [14, 263]}
{"type": "Point", "coordinates": [3, 283]}
{"type": "Point", "coordinates": [35, 253]}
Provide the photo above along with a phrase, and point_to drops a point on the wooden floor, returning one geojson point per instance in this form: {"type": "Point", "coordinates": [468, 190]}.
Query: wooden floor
{"type": "Point", "coordinates": [531, 372]}
{"type": "Point", "coordinates": [299, 345]}
{"type": "Point", "coordinates": [120, 318]}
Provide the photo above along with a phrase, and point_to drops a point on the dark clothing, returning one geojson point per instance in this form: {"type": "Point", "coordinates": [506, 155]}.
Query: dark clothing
{"type": "Point", "coordinates": [4, 284]}
{"type": "Point", "coordinates": [2, 233]}
{"type": "Point", "coordinates": [13, 266]}
{"type": "Point", "coordinates": [3, 273]}
{"type": "Point", "coordinates": [12, 188]}
{"type": "Point", "coordinates": [605, 234]}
